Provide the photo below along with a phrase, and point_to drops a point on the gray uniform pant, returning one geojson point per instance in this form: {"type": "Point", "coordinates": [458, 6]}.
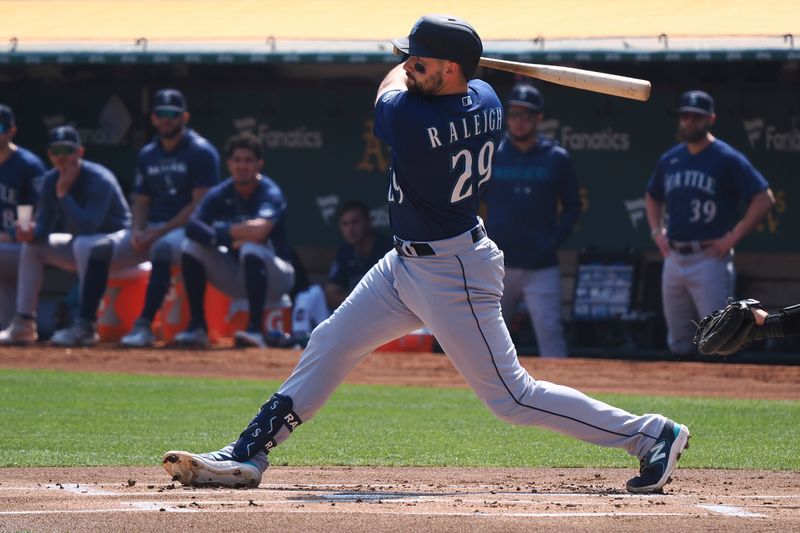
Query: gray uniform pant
{"type": "Point", "coordinates": [70, 252]}
{"type": "Point", "coordinates": [225, 272]}
{"type": "Point", "coordinates": [693, 286]}
{"type": "Point", "coordinates": [456, 294]}
{"type": "Point", "coordinates": [166, 248]}
{"type": "Point", "coordinates": [541, 289]}
{"type": "Point", "coordinates": [9, 263]}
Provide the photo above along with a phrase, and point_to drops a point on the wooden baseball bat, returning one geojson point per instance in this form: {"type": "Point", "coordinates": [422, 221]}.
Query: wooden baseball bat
{"type": "Point", "coordinates": [588, 80]}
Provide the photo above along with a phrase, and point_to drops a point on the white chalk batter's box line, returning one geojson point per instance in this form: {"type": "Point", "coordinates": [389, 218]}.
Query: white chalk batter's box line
{"type": "Point", "coordinates": [253, 504]}
{"type": "Point", "coordinates": [352, 494]}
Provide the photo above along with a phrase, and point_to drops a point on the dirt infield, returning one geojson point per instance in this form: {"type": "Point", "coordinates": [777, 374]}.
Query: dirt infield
{"type": "Point", "coordinates": [368, 499]}
{"type": "Point", "coordinates": [395, 499]}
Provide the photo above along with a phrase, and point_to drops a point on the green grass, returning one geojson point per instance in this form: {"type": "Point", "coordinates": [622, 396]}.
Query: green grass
{"type": "Point", "coordinates": [69, 419]}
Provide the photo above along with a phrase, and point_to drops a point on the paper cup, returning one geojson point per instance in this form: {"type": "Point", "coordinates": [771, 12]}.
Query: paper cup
{"type": "Point", "coordinates": [24, 214]}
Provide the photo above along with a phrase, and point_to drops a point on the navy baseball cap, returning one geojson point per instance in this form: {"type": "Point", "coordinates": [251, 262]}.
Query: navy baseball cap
{"type": "Point", "coordinates": [697, 102]}
{"type": "Point", "coordinates": [64, 135]}
{"type": "Point", "coordinates": [6, 118]}
{"type": "Point", "coordinates": [526, 95]}
{"type": "Point", "coordinates": [169, 100]}
{"type": "Point", "coordinates": [444, 37]}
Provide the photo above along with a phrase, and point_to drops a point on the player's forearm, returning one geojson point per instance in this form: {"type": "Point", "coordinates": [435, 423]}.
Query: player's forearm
{"type": "Point", "coordinates": [655, 213]}
{"type": "Point", "coordinates": [255, 230]}
{"type": "Point", "coordinates": [85, 221]}
{"type": "Point", "coordinates": [756, 211]}
{"type": "Point", "coordinates": [395, 80]}
{"type": "Point", "coordinates": [781, 324]}
{"type": "Point", "coordinates": [140, 210]}
{"type": "Point", "coordinates": [182, 218]}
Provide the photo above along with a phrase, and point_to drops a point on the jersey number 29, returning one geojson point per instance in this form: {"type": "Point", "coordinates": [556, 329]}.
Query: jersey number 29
{"type": "Point", "coordinates": [464, 186]}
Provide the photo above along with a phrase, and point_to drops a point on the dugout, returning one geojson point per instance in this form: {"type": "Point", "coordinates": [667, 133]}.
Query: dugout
{"type": "Point", "coordinates": [310, 101]}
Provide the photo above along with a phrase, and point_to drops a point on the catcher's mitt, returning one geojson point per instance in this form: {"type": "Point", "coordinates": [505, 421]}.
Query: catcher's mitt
{"type": "Point", "coordinates": [727, 330]}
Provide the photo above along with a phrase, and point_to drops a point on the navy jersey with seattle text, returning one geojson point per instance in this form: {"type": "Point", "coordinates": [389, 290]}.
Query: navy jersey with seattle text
{"type": "Point", "coordinates": [222, 204]}
{"type": "Point", "coordinates": [168, 178]}
{"type": "Point", "coordinates": [702, 192]}
{"type": "Point", "coordinates": [20, 184]}
{"type": "Point", "coordinates": [442, 152]}
{"type": "Point", "coordinates": [94, 204]}
{"type": "Point", "coordinates": [523, 201]}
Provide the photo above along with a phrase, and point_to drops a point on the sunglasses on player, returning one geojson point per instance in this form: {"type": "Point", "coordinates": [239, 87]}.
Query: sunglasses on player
{"type": "Point", "coordinates": [688, 115]}
{"type": "Point", "coordinates": [62, 149]}
{"type": "Point", "coordinates": [168, 113]}
{"type": "Point", "coordinates": [3, 129]}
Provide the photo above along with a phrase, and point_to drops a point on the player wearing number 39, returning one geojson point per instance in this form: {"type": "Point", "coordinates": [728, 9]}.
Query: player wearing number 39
{"type": "Point", "coordinates": [699, 183]}
{"type": "Point", "coordinates": [444, 273]}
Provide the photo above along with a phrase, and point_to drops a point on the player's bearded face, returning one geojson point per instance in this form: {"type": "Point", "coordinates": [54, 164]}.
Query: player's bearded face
{"type": "Point", "coordinates": [693, 127]}
{"type": "Point", "coordinates": [169, 127]}
{"type": "Point", "coordinates": [423, 75]}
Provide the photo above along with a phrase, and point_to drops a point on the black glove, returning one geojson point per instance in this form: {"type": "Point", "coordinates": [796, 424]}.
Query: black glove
{"type": "Point", "coordinates": [728, 330]}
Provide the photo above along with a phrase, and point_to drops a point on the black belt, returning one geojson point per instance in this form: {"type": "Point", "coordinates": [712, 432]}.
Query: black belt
{"type": "Point", "coordinates": [421, 249]}
{"type": "Point", "coordinates": [689, 247]}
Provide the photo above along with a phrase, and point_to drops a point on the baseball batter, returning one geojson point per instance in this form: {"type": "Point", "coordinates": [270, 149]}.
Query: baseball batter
{"type": "Point", "coordinates": [700, 183]}
{"type": "Point", "coordinates": [444, 273]}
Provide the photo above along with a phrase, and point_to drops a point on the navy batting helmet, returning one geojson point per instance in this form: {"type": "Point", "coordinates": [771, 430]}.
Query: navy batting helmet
{"type": "Point", "coordinates": [526, 95]}
{"type": "Point", "coordinates": [444, 37]}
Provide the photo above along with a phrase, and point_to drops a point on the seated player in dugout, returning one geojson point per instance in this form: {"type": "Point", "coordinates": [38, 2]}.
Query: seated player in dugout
{"type": "Point", "coordinates": [20, 184]}
{"type": "Point", "coordinates": [173, 173]}
{"type": "Point", "coordinates": [237, 240]}
{"type": "Point", "coordinates": [360, 249]}
{"type": "Point", "coordinates": [86, 200]}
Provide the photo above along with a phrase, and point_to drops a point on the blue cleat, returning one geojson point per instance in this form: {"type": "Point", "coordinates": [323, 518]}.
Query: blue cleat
{"type": "Point", "coordinates": [659, 462]}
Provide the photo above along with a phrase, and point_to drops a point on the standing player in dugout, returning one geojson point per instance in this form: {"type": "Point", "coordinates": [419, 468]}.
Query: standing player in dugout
{"type": "Point", "coordinates": [699, 183]}
{"type": "Point", "coordinates": [444, 273]}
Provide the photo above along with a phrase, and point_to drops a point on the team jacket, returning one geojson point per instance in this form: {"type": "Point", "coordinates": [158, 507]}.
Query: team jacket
{"type": "Point", "coordinates": [523, 203]}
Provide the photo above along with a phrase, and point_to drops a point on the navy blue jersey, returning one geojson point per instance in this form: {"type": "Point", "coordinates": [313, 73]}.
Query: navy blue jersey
{"type": "Point", "coordinates": [442, 151]}
{"type": "Point", "coordinates": [348, 268]}
{"type": "Point", "coordinates": [169, 177]}
{"type": "Point", "coordinates": [222, 204]}
{"type": "Point", "coordinates": [702, 192]}
{"type": "Point", "coordinates": [523, 199]}
{"type": "Point", "coordinates": [94, 204]}
{"type": "Point", "coordinates": [20, 183]}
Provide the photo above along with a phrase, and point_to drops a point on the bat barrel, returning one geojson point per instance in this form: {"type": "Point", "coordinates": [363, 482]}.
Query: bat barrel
{"type": "Point", "coordinates": [599, 82]}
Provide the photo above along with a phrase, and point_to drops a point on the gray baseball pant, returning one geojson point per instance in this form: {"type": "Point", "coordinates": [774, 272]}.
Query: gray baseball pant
{"type": "Point", "coordinates": [61, 250]}
{"type": "Point", "coordinates": [9, 263]}
{"type": "Point", "coordinates": [541, 289]}
{"type": "Point", "coordinates": [225, 272]}
{"type": "Point", "coordinates": [456, 294]}
{"type": "Point", "coordinates": [693, 286]}
{"type": "Point", "coordinates": [166, 248]}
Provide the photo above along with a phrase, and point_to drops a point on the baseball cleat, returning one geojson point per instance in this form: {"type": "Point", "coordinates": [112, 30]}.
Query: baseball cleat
{"type": "Point", "coordinates": [215, 469]}
{"type": "Point", "coordinates": [21, 332]}
{"type": "Point", "coordinates": [660, 460]}
{"type": "Point", "coordinates": [81, 333]}
{"type": "Point", "coordinates": [192, 338]}
{"type": "Point", "coordinates": [249, 339]}
{"type": "Point", "coordinates": [141, 336]}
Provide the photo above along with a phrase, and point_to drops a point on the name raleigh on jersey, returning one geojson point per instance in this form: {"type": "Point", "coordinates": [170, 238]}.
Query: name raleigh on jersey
{"type": "Point", "coordinates": [489, 120]}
